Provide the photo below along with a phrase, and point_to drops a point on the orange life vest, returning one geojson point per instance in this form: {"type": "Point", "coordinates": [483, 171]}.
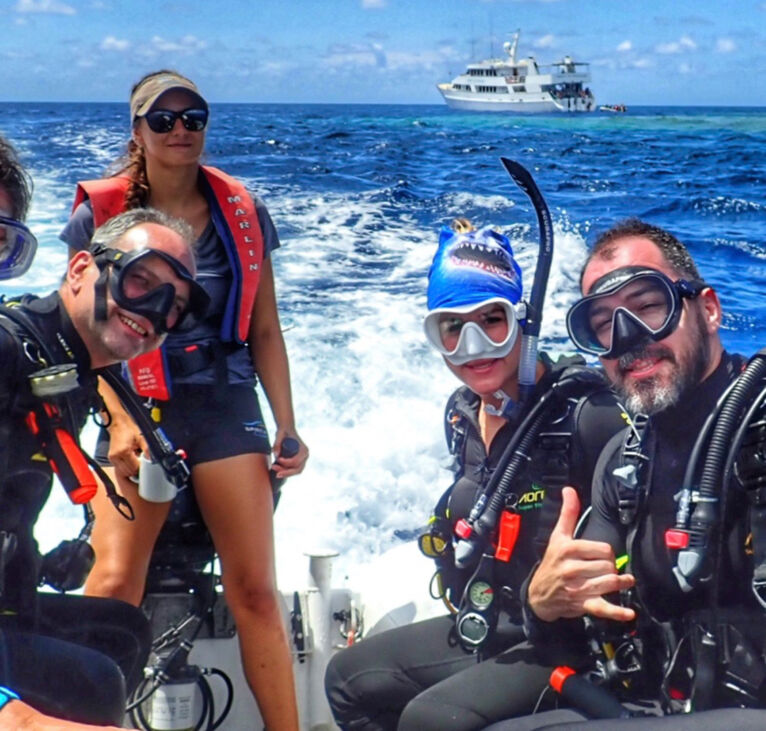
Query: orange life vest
{"type": "Point", "coordinates": [236, 221]}
{"type": "Point", "coordinates": [234, 216]}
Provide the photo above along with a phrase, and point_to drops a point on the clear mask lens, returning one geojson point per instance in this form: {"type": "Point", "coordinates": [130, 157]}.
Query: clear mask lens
{"type": "Point", "coordinates": [646, 305]}
{"type": "Point", "coordinates": [483, 331]}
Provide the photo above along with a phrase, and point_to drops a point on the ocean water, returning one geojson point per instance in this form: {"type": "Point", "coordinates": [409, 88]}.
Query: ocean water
{"type": "Point", "coordinates": [358, 194]}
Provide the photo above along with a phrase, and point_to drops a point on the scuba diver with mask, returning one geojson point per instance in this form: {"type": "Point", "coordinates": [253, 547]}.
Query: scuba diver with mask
{"type": "Point", "coordinates": [66, 661]}
{"type": "Point", "coordinates": [677, 493]}
{"type": "Point", "coordinates": [444, 672]}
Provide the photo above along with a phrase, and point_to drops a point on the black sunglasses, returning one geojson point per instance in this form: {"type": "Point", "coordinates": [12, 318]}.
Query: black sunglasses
{"type": "Point", "coordinates": [162, 121]}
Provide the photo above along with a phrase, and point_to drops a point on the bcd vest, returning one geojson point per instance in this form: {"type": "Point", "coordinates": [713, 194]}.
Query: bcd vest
{"type": "Point", "coordinates": [566, 452]}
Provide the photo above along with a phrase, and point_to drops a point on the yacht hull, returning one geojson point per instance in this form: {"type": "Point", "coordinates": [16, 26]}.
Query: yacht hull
{"type": "Point", "coordinates": [518, 104]}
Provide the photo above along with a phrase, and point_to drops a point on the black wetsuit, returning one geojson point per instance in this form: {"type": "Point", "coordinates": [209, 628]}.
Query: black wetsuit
{"type": "Point", "coordinates": [669, 438]}
{"type": "Point", "coordinates": [419, 676]}
{"type": "Point", "coordinates": [52, 646]}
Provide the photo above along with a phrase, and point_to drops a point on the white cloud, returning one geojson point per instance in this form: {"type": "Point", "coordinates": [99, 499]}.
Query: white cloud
{"type": "Point", "coordinates": [625, 46]}
{"type": "Point", "coordinates": [350, 57]}
{"type": "Point", "coordinates": [642, 63]}
{"type": "Point", "coordinates": [684, 43]}
{"type": "Point", "coordinates": [725, 45]}
{"type": "Point", "coordinates": [687, 43]}
{"type": "Point", "coordinates": [685, 68]}
{"type": "Point", "coordinates": [187, 44]}
{"type": "Point", "coordinates": [340, 56]}
{"type": "Point", "coordinates": [44, 6]}
{"type": "Point", "coordinates": [371, 4]}
{"type": "Point", "coordinates": [545, 42]}
{"type": "Point", "coordinates": [110, 43]}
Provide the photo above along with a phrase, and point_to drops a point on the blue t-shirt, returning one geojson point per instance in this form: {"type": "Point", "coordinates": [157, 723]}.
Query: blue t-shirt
{"type": "Point", "coordinates": [215, 275]}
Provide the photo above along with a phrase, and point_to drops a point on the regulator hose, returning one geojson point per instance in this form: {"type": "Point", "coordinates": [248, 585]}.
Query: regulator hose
{"type": "Point", "coordinates": [701, 512]}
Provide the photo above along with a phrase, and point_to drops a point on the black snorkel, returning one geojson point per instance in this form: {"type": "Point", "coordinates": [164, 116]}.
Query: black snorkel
{"type": "Point", "coordinates": [477, 615]}
{"type": "Point", "coordinates": [534, 307]}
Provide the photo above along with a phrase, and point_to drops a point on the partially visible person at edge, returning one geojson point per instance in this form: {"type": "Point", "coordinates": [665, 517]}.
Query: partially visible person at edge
{"type": "Point", "coordinates": [419, 676]}
{"type": "Point", "coordinates": [17, 245]}
{"type": "Point", "coordinates": [66, 661]}
{"type": "Point", "coordinates": [210, 373]}
{"type": "Point", "coordinates": [655, 326]}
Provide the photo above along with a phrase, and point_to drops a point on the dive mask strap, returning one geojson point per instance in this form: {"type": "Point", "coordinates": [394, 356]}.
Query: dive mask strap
{"type": "Point", "coordinates": [100, 290]}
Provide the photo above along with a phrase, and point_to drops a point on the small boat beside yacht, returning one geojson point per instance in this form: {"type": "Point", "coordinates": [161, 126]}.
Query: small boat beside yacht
{"type": "Point", "coordinates": [521, 86]}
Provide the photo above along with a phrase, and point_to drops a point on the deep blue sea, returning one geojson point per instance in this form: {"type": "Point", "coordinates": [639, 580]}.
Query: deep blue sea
{"type": "Point", "coordinates": [358, 194]}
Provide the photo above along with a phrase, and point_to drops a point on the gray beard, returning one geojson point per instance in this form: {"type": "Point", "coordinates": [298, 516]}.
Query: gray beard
{"type": "Point", "coordinates": [650, 398]}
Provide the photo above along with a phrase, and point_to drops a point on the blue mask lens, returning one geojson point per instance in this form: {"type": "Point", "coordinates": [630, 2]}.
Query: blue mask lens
{"type": "Point", "coordinates": [17, 248]}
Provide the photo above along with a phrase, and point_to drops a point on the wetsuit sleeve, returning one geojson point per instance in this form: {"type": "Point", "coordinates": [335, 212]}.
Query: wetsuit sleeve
{"type": "Point", "coordinates": [9, 363]}
{"type": "Point", "coordinates": [79, 229]}
{"type": "Point", "coordinates": [268, 229]}
{"type": "Point", "coordinates": [603, 525]}
{"type": "Point", "coordinates": [603, 522]}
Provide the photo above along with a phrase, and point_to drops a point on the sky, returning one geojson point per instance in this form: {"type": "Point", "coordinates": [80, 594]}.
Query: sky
{"type": "Point", "coordinates": [655, 52]}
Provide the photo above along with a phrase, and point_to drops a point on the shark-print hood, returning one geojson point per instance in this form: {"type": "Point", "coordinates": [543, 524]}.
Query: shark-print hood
{"type": "Point", "coordinates": [471, 268]}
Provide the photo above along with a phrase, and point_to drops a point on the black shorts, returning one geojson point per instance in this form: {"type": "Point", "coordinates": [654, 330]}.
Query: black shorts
{"type": "Point", "coordinates": [208, 423]}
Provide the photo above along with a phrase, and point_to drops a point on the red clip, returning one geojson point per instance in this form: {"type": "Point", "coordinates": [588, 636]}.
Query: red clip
{"type": "Point", "coordinates": [507, 534]}
{"type": "Point", "coordinates": [559, 676]}
{"type": "Point", "coordinates": [463, 529]}
{"type": "Point", "coordinates": [676, 538]}
{"type": "Point", "coordinates": [32, 424]}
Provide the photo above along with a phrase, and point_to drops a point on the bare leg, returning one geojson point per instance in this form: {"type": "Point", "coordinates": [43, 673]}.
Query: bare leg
{"type": "Point", "coordinates": [234, 496]}
{"type": "Point", "coordinates": [123, 547]}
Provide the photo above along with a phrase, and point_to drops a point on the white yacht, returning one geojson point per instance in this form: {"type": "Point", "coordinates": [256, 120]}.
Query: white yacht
{"type": "Point", "coordinates": [522, 86]}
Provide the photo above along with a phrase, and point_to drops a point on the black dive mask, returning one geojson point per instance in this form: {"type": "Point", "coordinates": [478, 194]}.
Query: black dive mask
{"type": "Point", "coordinates": [135, 287]}
{"type": "Point", "coordinates": [17, 248]}
{"type": "Point", "coordinates": [627, 306]}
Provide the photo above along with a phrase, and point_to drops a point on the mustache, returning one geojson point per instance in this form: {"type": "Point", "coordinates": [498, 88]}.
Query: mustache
{"type": "Point", "coordinates": [642, 352]}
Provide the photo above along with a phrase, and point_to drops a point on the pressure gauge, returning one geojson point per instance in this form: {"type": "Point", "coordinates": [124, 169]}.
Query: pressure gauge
{"type": "Point", "coordinates": [480, 594]}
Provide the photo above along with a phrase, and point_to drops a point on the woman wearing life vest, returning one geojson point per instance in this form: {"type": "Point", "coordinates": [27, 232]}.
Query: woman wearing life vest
{"type": "Point", "coordinates": [203, 381]}
{"type": "Point", "coordinates": [426, 675]}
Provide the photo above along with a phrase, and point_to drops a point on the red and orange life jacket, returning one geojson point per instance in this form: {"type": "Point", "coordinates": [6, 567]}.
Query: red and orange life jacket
{"type": "Point", "coordinates": [236, 221]}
